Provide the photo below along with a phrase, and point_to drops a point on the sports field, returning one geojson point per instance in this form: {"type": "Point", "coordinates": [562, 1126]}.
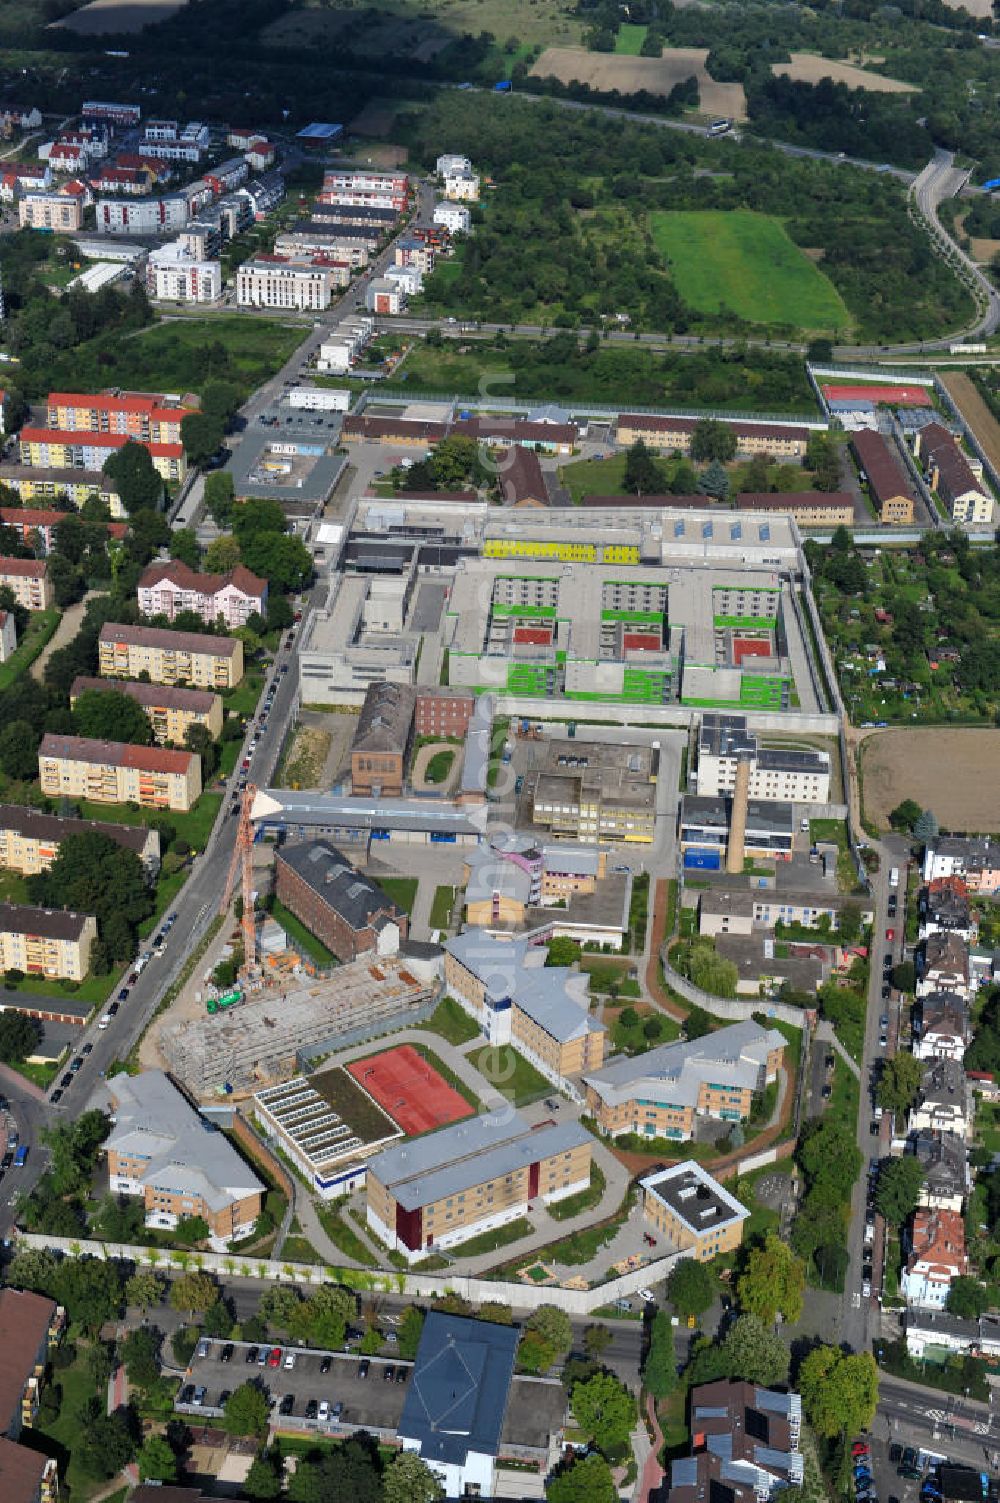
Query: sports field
{"type": "Point", "coordinates": [410, 1090]}
{"type": "Point", "coordinates": [743, 263]}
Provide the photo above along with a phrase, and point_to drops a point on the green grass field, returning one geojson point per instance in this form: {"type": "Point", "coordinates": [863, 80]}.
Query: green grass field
{"type": "Point", "coordinates": [744, 264]}
{"type": "Point", "coordinates": [630, 38]}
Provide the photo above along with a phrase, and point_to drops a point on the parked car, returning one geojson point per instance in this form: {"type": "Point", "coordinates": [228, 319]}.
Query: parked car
{"type": "Point", "coordinates": [251, 1355]}
{"type": "Point", "coordinates": [364, 1367]}
{"type": "Point", "coordinates": [226, 1354]}
{"type": "Point", "coordinates": [274, 1357]}
{"type": "Point", "coordinates": [402, 1373]}
{"type": "Point", "coordinates": [312, 1409]}
{"type": "Point", "coordinates": [336, 1411]}
{"type": "Point", "coordinates": [67, 1079]}
{"type": "Point", "coordinates": [199, 1395]}
{"type": "Point", "coordinates": [648, 1296]}
{"type": "Point", "coordinates": [55, 1098]}
{"type": "Point", "coordinates": [326, 1364]}
{"type": "Point", "coordinates": [387, 1374]}
{"type": "Point", "coordinates": [203, 1348]}
{"type": "Point", "coordinates": [289, 1359]}
{"type": "Point", "coordinates": [187, 1393]}
{"type": "Point", "coordinates": [287, 1404]}
{"type": "Point", "coordinates": [323, 1413]}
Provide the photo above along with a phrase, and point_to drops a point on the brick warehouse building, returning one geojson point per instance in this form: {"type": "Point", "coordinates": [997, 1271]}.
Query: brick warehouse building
{"type": "Point", "coordinates": [350, 914]}
{"type": "Point", "coordinates": [443, 712]}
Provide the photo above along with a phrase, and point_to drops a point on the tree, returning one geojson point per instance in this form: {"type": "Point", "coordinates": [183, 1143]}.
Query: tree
{"type": "Point", "coordinates": [90, 1289]}
{"type": "Point", "coordinates": [120, 1218]}
{"type": "Point", "coordinates": [968, 1298]}
{"type": "Point", "coordinates": [191, 1229]}
{"type": "Point", "coordinates": [562, 951]}
{"type": "Point", "coordinates": [547, 1336]}
{"type": "Point", "coordinates": [136, 480]}
{"type": "Point", "coordinates": [691, 1287]}
{"type": "Point", "coordinates": [184, 546]}
{"type": "Point", "coordinates": [66, 580]}
{"type": "Point", "coordinates": [246, 1410]}
{"type": "Point", "coordinates": [193, 1291]}
{"type": "Point", "coordinates": [905, 815]}
{"type": "Point", "coordinates": [263, 1480]}
{"type": "Point", "coordinates": [409, 1331]}
{"type": "Point", "coordinates": [144, 1289]}
{"type": "Point", "coordinates": [73, 1147]}
{"type": "Point", "coordinates": [109, 715]}
{"type": "Point", "coordinates": [408, 1479]}
{"type": "Point", "coordinates": [659, 1375]}
{"type": "Point", "coordinates": [456, 461]}
{"type": "Point", "coordinates": [201, 435]}
{"type": "Point", "coordinates": [19, 750]}
{"type": "Point", "coordinates": [899, 1186]}
{"type": "Point", "coordinates": [99, 1363]}
{"type": "Point", "coordinates": [643, 476]}
{"type": "Point", "coordinates": [926, 827]}
{"type": "Point", "coordinates": [772, 1282]}
{"type": "Point", "coordinates": [714, 481]}
{"type": "Point", "coordinates": [108, 1443]}
{"type": "Point", "coordinates": [222, 554]}
{"type": "Point", "coordinates": [284, 561]}
{"type": "Point", "coordinates": [839, 1393]}
{"type": "Point", "coordinates": [219, 499]}
{"type": "Point", "coordinates": [586, 1479]}
{"type": "Point", "coordinates": [157, 1462]}
{"type": "Point", "coordinates": [596, 1340]}
{"type": "Point", "coordinates": [754, 1353]}
{"type": "Point", "coordinates": [322, 1319]}
{"type": "Point", "coordinates": [140, 1354]}
{"type": "Point", "coordinates": [712, 440]}
{"type": "Point", "coordinates": [899, 1082]}
{"type": "Point", "coordinates": [605, 1411]}
{"type": "Point", "coordinates": [904, 976]}
{"type": "Point", "coordinates": [19, 1035]}
{"type": "Point", "coordinates": [93, 874]}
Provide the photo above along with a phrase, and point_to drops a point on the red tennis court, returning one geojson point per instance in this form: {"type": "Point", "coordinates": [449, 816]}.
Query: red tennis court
{"type": "Point", "coordinates": [410, 1090]}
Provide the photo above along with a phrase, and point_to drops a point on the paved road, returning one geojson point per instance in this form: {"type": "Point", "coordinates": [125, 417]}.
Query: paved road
{"type": "Point", "coordinates": [938, 181]}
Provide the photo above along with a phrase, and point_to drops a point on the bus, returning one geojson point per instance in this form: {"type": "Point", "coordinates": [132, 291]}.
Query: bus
{"type": "Point", "coordinates": [720, 127]}
{"type": "Point", "coordinates": [21, 1157]}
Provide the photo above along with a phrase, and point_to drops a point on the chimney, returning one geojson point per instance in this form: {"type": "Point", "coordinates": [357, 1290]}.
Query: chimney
{"type": "Point", "coordinates": [738, 818]}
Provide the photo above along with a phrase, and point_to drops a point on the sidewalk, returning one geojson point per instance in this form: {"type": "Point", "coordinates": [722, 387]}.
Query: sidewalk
{"type": "Point", "coordinates": [825, 1031]}
{"type": "Point", "coordinates": [651, 1473]}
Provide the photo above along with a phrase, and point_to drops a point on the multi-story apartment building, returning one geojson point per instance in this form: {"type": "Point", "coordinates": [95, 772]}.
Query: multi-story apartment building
{"type": "Point", "coordinates": [936, 1256]}
{"type": "Point", "coordinates": [169, 657]}
{"type": "Point", "coordinates": [666, 434]}
{"type": "Point", "coordinates": [26, 1476]}
{"type": "Point", "coordinates": [941, 1026]}
{"type": "Point", "coordinates": [146, 418]}
{"type": "Point", "coordinates": [943, 964]}
{"type": "Point", "coordinates": [345, 910]}
{"type": "Point", "coordinates": [745, 1443]}
{"type": "Point", "coordinates": [142, 216]}
{"type": "Point", "coordinates": [383, 190]}
{"type": "Point", "coordinates": [381, 740]}
{"type": "Point", "coordinates": [976, 858]}
{"type": "Point", "coordinates": [33, 484]}
{"type": "Point", "coordinates": [660, 1094]}
{"type": "Point", "coordinates": [173, 274]}
{"type": "Point", "coordinates": [110, 772]}
{"type": "Point", "coordinates": [943, 1100]}
{"type": "Point", "coordinates": [109, 112]}
{"type": "Point", "coordinates": [693, 1211]}
{"type": "Point", "coordinates": [455, 218]}
{"type": "Point", "coordinates": [29, 580]}
{"type": "Point", "coordinates": [451, 1185]}
{"type": "Point", "coordinates": [955, 475]}
{"type": "Point", "coordinates": [30, 840]}
{"type": "Point", "coordinates": [51, 448]}
{"type": "Point", "coordinates": [46, 942]}
{"type": "Point", "coordinates": [171, 711]}
{"type": "Point", "coordinates": [776, 774]}
{"type": "Point", "coordinates": [541, 1010]}
{"type": "Point", "coordinates": [161, 1150]}
{"type": "Point", "coordinates": [31, 1326]}
{"type": "Point", "coordinates": [272, 281]}
{"type": "Point", "coordinates": [166, 589]}
{"type": "Point", "coordinates": [41, 523]}
{"type": "Point", "coordinates": [944, 908]}
{"type": "Point", "coordinates": [60, 212]}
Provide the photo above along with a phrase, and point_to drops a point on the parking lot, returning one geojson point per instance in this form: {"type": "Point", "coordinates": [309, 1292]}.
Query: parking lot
{"type": "Point", "coordinates": [374, 1401]}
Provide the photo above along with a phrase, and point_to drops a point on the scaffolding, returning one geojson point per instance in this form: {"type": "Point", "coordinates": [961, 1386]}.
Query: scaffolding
{"type": "Point", "coordinates": [242, 857]}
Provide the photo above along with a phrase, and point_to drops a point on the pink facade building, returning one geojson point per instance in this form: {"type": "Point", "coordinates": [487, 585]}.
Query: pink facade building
{"type": "Point", "coordinates": [168, 588]}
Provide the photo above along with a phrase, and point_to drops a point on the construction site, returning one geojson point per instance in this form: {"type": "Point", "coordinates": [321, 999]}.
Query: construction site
{"type": "Point", "coordinates": [273, 1033]}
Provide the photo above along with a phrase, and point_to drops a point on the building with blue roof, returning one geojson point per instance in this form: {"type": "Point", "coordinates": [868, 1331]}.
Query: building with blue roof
{"type": "Point", "coordinates": [457, 1398]}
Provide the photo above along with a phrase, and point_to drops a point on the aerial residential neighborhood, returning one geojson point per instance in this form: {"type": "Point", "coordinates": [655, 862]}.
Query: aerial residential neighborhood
{"type": "Point", "coordinates": [499, 703]}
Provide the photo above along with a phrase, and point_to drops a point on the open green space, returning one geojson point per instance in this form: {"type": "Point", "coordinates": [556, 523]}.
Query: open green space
{"type": "Point", "coordinates": [439, 766]}
{"type": "Point", "coordinates": [745, 264]}
{"type": "Point", "coordinates": [301, 937]}
{"type": "Point", "coordinates": [594, 477]}
{"type": "Point", "coordinates": [402, 891]}
{"type": "Point", "coordinates": [40, 628]}
{"type": "Point", "coordinates": [244, 698]}
{"type": "Point", "coordinates": [450, 1021]}
{"type": "Point", "coordinates": [193, 825]}
{"type": "Point", "coordinates": [583, 1200]}
{"type": "Point", "coordinates": [441, 907]}
{"type": "Point", "coordinates": [511, 1074]}
{"type": "Point", "coordinates": [340, 1233]}
{"type": "Point", "coordinates": [630, 38]}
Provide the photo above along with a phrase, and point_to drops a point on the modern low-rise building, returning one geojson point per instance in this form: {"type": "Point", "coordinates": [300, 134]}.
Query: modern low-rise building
{"type": "Point", "coordinates": [166, 589]}
{"type": "Point", "coordinates": [593, 792]}
{"type": "Point", "coordinates": [705, 828]}
{"type": "Point", "coordinates": [936, 1255]}
{"type": "Point", "coordinates": [111, 772]}
{"type": "Point", "coordinates": [745, 1445]}
{"type": "Point", "coordinates": [31, 1326]}
{"type": "Point", "coordinates": [661, 1094]}
{"type": "Point", "coordinates": [505, 987]}
{"type": "Point", "coordinates": [727, 910]}
{"type": "Point", "coordinates": [170, 711]}
{"type": "Point", "coordinates": [30, 582]}
{"type": "Point", "coordinates": [162, 1150]}
{"type": "Point", "coordinates": [46, 942]}
{"type": "Point", "coordinates": [693, 1211]}
{"type": "Point", "coordinates": [937, 1333]}
{"type": "Point", "coordinates": [441, 1189]}
{"type": "Point", "coordinates": [328, 1125]}
{"type": "Point", "coordinates": [169, 657]}
{"type": "Point", "coordinates": [30, 840]}
{"type": "Point", "coordinates": [347, 912]}
{"type": "Point", "coordinates": [777, 773]}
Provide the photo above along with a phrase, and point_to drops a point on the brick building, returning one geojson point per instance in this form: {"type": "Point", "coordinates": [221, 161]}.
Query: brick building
{"type": "Point", "coordinates": [350, 914]}
{"type": "Point", "coordinates": [381, 741]}
{"type": "Point", "coordinates": [443, 712]}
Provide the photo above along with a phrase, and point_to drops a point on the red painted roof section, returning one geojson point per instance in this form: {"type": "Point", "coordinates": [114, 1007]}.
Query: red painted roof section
{"type": "Point", "coordinates": [115, 753]}
{"type": "Point", "coordinates": [84, 436]}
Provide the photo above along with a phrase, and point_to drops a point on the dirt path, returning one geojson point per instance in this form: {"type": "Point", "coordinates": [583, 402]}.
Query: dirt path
{"type": "Point", "coordinates": [426, 754]}
{"type": "Point", "coordinates": [656, 937]}
{"type": "Point", "coordinates": [63, 634]}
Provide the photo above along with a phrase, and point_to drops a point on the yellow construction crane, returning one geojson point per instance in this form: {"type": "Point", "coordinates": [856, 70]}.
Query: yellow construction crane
{"type": "Point", "coordinates": [243, 857]}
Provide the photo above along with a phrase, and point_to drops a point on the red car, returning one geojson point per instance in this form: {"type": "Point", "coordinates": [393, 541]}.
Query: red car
{"type": "Point", "coordinates": [860, 1448]}
{"type": "Point", "coordinates": [274, 1357]}
{"type": "Point", "coordinates": [890, 934]}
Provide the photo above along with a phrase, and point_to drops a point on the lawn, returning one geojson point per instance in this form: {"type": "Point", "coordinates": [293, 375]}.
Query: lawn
{"type": "Point", "coordinates": [402, 891]}
{"type": "Point", "coordinates": [487, 1242]}
{"type": "Point", "coordinates": [40, 628]}
{"type": "Point", "coordinates": [243, 699]}
{"type": "Point", "coordinates": [594, 477]}
{"type": "Point", "coordinates": [194, 826]}
{"type": "Point", "coordinates": [64, 1430]}
{"type": "Point", "coordinates": [439, 766]}
{"type": "Point", "coordinates": [583, 1200]}
{"type": "Point", "coordinates": [634, 1040]}
{"type": "Point", "coordinates": [341, 1234]}
{"type": "Point", "coordinates": [451, 1022]}
{"type": "Point", "coordinates": [300, 936]}
{"type": "Point", "coordinates": [630, 39]}
{"type": "Point", "coordinates": [441, 907]}
{"type": "Point", "coordinates": [511, 1074]}
{"type": "Point", "coordinates": [181, 354]}
{"type": "Point", "coordinates": [299, 1250]}
{"type": "Point", "coordinates": [744, 263]}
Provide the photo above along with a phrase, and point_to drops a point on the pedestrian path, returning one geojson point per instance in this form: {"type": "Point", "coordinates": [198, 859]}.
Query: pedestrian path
{"type": "Point", "coordinates": [651, 1473]}
{"type": "Point", "coordinates": [825, 1031]}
